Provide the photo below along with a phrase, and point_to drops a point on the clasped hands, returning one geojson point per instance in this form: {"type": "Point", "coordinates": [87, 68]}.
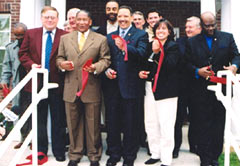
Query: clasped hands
{"type": "Point", "coordinates": [69, 66]}
{"type": "Point", "coordinates": [119, 43]}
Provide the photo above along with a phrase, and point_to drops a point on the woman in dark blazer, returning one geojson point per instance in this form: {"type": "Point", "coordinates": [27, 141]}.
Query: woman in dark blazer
{"type": "Point", "coordinates": [161, 93]}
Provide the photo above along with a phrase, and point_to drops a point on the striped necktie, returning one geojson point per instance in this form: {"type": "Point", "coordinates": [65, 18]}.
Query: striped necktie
{"type": "Point", "coordinates": [48, 50]}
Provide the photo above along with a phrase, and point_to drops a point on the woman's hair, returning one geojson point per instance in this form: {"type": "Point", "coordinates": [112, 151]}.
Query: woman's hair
{"type": "Point", "coordinates": [169, 27]}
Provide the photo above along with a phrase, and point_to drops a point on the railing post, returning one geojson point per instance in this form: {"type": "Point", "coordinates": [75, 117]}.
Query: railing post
{"type": "Point", "coordinates": [34, 119]}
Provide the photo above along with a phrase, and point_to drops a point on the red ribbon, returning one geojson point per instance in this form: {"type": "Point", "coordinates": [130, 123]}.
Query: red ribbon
{"type": "Point", "coordinates": [84, 77]}
{"type": "Point", "coordinates": [6, 91]}
{"type": "Point", "coordinates": [159, 65]}
{"type": "Point", "coordinates": [40, 161]}
{"type": "Point", "coordinates": [124, 45]}
{"type": "Point", "coordinates": [215, 79]}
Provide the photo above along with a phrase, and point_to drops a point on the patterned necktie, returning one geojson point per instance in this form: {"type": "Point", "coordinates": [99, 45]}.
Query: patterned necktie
{"type": "Point", "coordinates": [48, 50]}
{"type": "Point", "coordinates": [122, 34]}
{"type": "Point", "coordinates": [81, 42]}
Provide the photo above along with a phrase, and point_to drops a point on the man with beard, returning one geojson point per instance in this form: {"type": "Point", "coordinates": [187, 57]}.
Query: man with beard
{"type": "Point", "coordinates": [111, 14]}
{"type": "Point", "coordinates": [13, 70]}
{"type": "Point", "coordinates": [206, 54]}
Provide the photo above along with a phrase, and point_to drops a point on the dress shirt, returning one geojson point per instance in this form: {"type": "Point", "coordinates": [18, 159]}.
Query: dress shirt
{"type": "Point", "coordinates": [111, 27]}
{"type": "Point", "coordinates": [85, 35]}
{"type": "Point", "coordinates": [125, 31]}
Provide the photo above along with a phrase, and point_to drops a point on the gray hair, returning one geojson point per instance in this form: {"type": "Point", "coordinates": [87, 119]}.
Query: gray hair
{"type": "Point", "coordinates": [196, 20]}
{"type": "Point", "coordinates": [22, 25]}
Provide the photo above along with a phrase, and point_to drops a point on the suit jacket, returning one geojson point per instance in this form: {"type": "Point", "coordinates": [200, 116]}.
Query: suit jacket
{"type": "Point", "coordinates": [102, 29]}
{"type": "Point", "coordinates": [11, 68]}
{"type": "Point", "coordinates": [127, 81]}
{"type": "Point", "coordinates": [31, 52]}
{"type": "Point", "coordinates": [223, 52]}
{"type": "Point", "coordinates": [95, 47]}
{"type": "Point", "coordinates": [168, 79]}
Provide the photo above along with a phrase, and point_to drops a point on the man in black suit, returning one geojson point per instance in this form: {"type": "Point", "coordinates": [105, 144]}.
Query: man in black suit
{"type": "Point", "coordinates": [111, 24]}
{"type": "Point", "coordinates": [123, 85]}
{"type": "Point", "coordinates": [209, 52]}
{"type": "Point", "coordinates": [192, 28]}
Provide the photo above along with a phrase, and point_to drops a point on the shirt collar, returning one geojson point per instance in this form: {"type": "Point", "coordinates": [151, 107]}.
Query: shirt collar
{"type": "Point", "coordinates": [85, 34]}
{"type": "Point", "coordinates": [114, 25]}
{"type": "Point", "coordinates": [45, 31]}
{"type": "Point", "coordinates": [126, 30]}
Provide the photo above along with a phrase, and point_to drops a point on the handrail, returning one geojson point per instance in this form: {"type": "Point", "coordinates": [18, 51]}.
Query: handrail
{"type": "Point", "coordinates": [32, 108]}
{"type": "Point", "coordinates": [229, 138]}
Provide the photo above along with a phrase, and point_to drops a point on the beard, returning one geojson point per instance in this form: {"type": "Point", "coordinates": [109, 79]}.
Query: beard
{"type": "Point", "coordinates": [207, 33]}
{"type": "Point", "coordinates": [112, 17]}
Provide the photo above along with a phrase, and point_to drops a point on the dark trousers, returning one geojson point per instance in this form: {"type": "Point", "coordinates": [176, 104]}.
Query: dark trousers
{"type": "Point", "coordinates": [209, 116]}
{"type": "Point", "coordinates": [58, 123]}
{"type": "Point", "coordinates": [122, 115]}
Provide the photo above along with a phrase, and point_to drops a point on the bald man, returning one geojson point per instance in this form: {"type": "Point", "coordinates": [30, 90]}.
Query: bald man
{"type": "Point", "coordinates": [211, 50]}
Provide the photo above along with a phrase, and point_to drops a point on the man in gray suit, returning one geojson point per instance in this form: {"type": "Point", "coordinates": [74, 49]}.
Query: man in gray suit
{"type": "Point", "coordinates": [13, 70]}
{"type": "Point", "coordinates": [83, 113]}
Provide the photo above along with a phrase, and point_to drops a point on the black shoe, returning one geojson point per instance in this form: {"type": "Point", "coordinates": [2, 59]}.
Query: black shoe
{"type": "Point", "coordinates": [175, 154]}
{"type": "Point", "coordinates": [73, 162]}
{"type": "Point", "coordinates": [111, 162]}
{"type": "Point", "coordinates": [60, 158]}
{"type": "Point", "coordinates": [215, 163]}
{"type": "Point", "coordinates": [128, 163]}
{"type": "Point", "coordinates": [94, 163]}
{"type": "Point", "coordinates": [151, 161]}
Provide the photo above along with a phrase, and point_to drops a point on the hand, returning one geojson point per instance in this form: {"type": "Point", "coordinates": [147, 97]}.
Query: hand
{"type": "Point", "coordinates": [155, 46]}
{"type": "Point", "coordinates": [205, 72]}
{"type": "Point", "coordinates": [90, 69]}
{"type": "Point", "coordinates": [67, 65]}
{"type": "Point", "coordinates": [119, 43]}
{"type": "Point", "coordinates": [4, 86]}
{"type": "Point", "coordinates": [36, 66]}
{"type": "Point", "coordinates": [111, 74]}
{"type": "Point", "coordinates": [232, 68]}
{"type": "Point", "coordinates": [143, 74]}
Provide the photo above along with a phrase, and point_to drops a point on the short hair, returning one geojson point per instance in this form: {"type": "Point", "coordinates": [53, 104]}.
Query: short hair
{"type": "Point", "coordinates": [126, 7]}
{"type": "Point", "coordinates": [169, 26]}
{"type": "Point", "coordinates": [153, 10]}
{"type": "Point", "coordinates": [75, 10]}
{"type": "Point", "coordinates": [85, 11]}
{"type": "Point", "coordinates": [22, 25]}
{"type": "Point", "coordinates": [46, 8]}
{"type": "Point", "coordinates": [196, 19]}
{"type": "Point", "coordinates": [112, 1]}
{"type": "Point", "coordinates": [139, 13]}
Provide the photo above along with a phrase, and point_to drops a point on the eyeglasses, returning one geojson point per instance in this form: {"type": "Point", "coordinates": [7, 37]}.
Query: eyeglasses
{"type": "Point", "coordinates": [210, 25]}
{"type": "Point", "coordinates": [49, 17]}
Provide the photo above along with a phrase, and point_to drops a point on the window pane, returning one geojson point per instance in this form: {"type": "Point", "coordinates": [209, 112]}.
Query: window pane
{"type": "Point", "coordinates": [4, 22]}
{"type": "Point", "coordinates": [2, 52]}
{"type": "Point", "coordinates": [4, 38]}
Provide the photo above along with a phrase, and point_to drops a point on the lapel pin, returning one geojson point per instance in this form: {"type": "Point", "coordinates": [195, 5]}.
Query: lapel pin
{"type": "Point", "coordinates": [129, 34]}
{"type": "Point", "coordinates": [215, 39]}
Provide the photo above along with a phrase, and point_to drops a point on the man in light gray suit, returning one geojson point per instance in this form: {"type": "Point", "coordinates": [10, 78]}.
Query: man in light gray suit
{"type": "Point", "coordinates": [83, 113]}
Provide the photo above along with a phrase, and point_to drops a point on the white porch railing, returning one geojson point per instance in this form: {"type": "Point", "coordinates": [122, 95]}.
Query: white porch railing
{"type": "Point", "coordinates": [32, 109]}
{"type": "Point", "coordinates": [231, 117]}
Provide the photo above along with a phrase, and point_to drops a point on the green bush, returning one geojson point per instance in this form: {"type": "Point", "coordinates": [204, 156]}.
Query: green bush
{"type": "Point", "coordinates": [234, 161]}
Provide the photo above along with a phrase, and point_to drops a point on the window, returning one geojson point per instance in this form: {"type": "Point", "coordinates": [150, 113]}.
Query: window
{"type": "Point", "coordinates": [5, 35]}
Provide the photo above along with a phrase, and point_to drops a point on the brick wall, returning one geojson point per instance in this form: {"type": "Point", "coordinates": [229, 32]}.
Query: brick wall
{"type": "Point", "coordinates": [175, 12]}
{"type": "Point", "coordinates": [12, 7]}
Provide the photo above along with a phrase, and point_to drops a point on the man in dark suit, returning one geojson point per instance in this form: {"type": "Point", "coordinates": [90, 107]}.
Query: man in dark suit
{"type": "Point", "coordinates": [192, 28]}
{"type": "Point", "coordinates": [111, 23]}
{"type": "Point", "coordinates": [209, 52]}
{"type": "Point", "coordinates": [39, 50]}
{"type": "Point", "coordinates": [124, 87]}
{"type": "Point", "coordinates": [83, 113]}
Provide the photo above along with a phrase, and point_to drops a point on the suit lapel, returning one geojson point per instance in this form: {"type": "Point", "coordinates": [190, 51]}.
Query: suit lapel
{"type": "Point", "coordinates": [39, 34]}
{"type": "Point", "coordinates": [74, 41]}
{"type": "Point", "coordinates": [129, 33]}
{"type": "Point", "coordinates": [55, 43]}
{"type": "Point", "coordinates": [89, 41]}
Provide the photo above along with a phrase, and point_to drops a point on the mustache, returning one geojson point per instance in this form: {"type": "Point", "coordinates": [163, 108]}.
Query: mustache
{"type": "Point", "coordinates": [111, 16]}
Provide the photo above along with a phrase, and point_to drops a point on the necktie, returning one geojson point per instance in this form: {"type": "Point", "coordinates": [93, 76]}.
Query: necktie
{"type": "Point", "coordinates": [48, 50]}
{"type": "Point", "coordinates": [122, 34]}
{"type": "Point", "coordinates": [81, 42]}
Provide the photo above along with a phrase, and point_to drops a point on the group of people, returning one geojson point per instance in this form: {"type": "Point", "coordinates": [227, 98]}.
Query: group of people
{"type": "Point", "coordinates": [147, 79]}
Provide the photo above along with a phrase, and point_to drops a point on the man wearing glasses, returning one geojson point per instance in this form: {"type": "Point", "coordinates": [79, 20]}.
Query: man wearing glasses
{"type": "Point", "coordinates": [206, 54]}
{"type": "Point", "coordinates": [39, 50]}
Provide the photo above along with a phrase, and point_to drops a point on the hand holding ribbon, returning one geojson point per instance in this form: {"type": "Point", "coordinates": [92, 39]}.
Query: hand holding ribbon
{"type": "Point", "coordinates": [159, 65]}
{"type": "Point", "coordinates": [84, 76]}
{"type": "Point", "coordinates": [122, 44]}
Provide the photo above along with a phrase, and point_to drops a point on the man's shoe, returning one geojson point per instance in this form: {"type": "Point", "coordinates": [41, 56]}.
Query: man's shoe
{"type": "Point", "coordinates": [111, 162]}
{"type": "Point", "coordinates": [73, 163]}
{"type": "Point", "coordinates": [60, 158]}
{"type": "Point", "coordinates": [175, 154]}
{"type": "Point", "coordinates": [18, 146]}
{"type": "Point", "coordinates": [128, 163]}
{"type": "Point", "coordinates": [94, 163]}
{"type": "Point", "coordinates": [151, 161]}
